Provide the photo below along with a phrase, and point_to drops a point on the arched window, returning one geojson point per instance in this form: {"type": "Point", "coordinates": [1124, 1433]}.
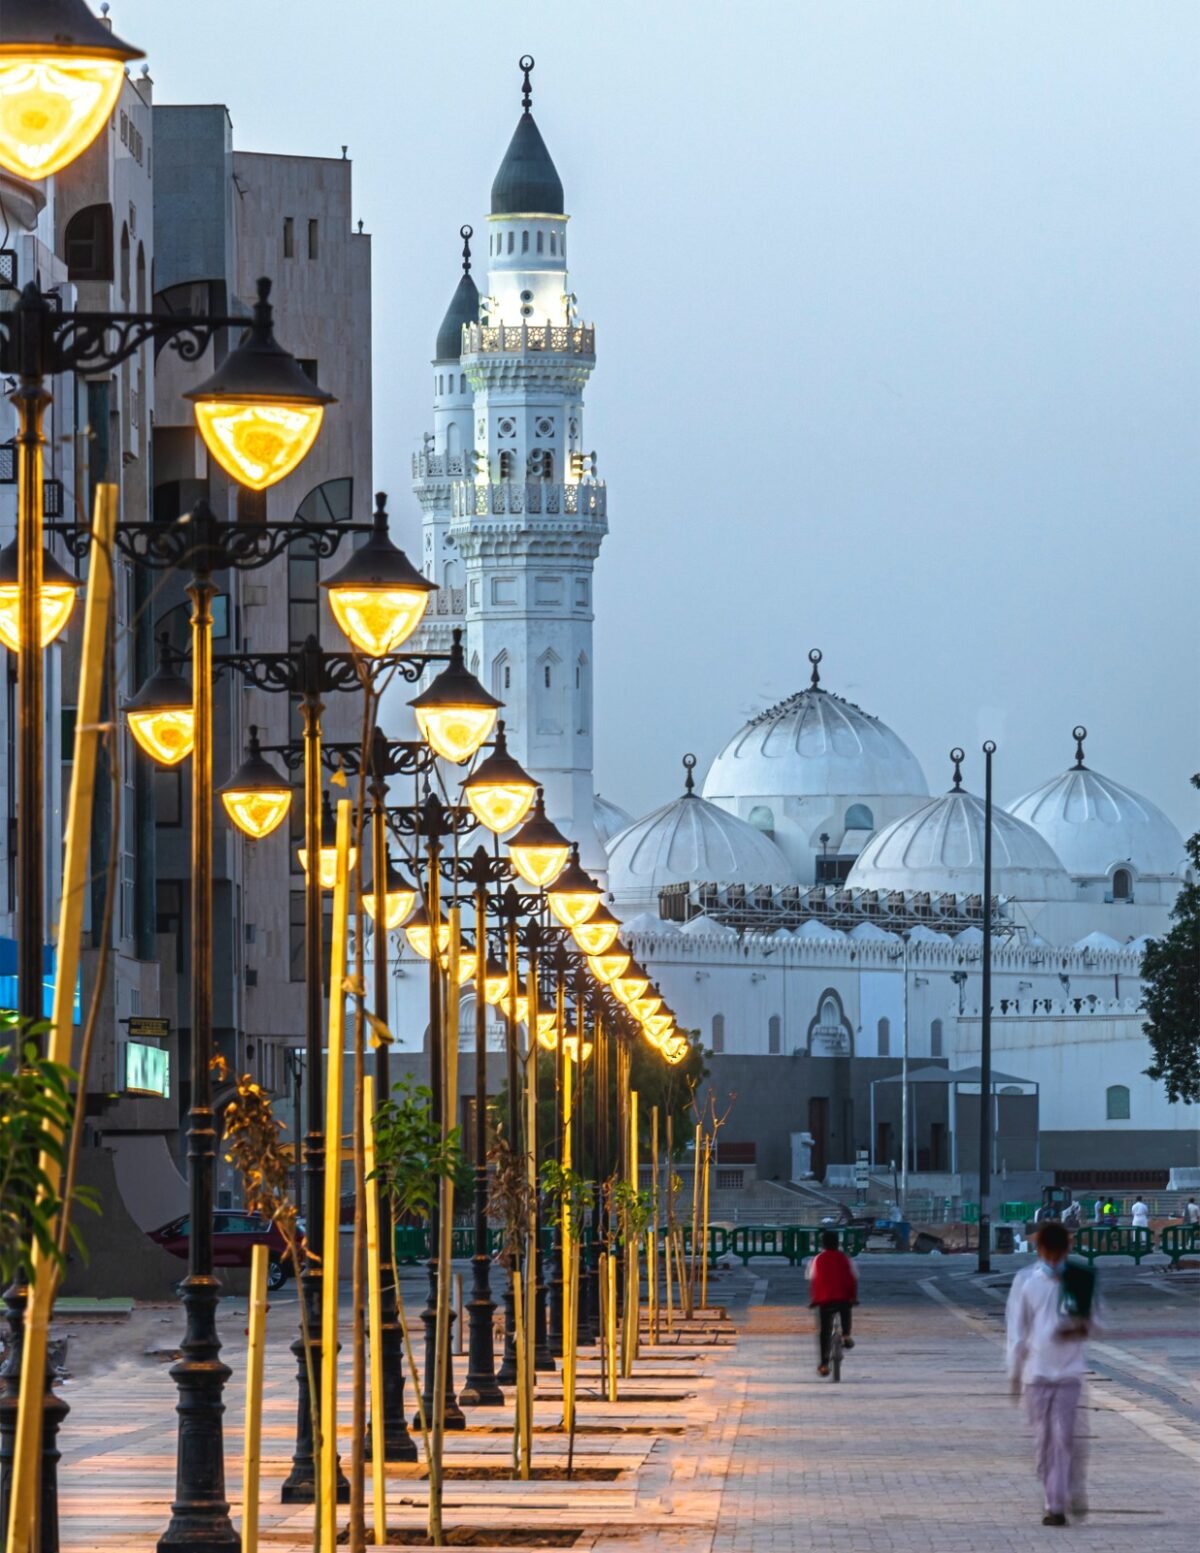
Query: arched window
{"type": "Point", "coordinates": [88, 244]}
{"type": "Point", "coordinates": [501, 675]}
{"type": "Point", "coordinates": [762, 818]}
{"type": "Point", "coordinates": [141, 279]}
{"type": "Point", "coordinates": [884, 1032]}
{"type": "Point", "coordinates": [581, 694]}
{"type": "Point", "coordinates": [462, 382]}
{"type": "Point", "coordinates": [553, 242]}
{"type": "Point", "coordinates": [859, 817]}
{"type": "Point", "coordinates": [1122, 886]}
{"type": "Point", "coordinates": [524, 242]}
{"type": "Point", "coordinates": [125, 261]}
{"type": "Point", "coordinates": [541, 238]}
{"type": "Point", "coordinates": [935, 1038]}
{"type": "Point", "coordinates": [1116, 1098]}
{"type": "Point", "coordinates": [775, 1035]}
{"type": "Point", "coordinates": [510, 242]}
{"type": "Point", "coordinates": [718, 1032]}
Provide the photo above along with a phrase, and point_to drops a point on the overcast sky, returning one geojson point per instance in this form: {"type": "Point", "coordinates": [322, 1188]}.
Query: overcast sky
{"type": "Point", "coordinates": [897, 338]}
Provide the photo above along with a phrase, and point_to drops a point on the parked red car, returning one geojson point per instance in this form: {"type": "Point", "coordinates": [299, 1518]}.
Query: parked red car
{"type": "Point", "coordinates": [235, 1234]}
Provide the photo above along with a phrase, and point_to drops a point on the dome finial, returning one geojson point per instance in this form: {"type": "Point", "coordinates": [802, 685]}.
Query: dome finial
{"type": "Point", "coordinates": [957, 756]}
{"type": "Point", "coordinates": [1079, 734]}
{"type": "Point", "coordinates": [525, 64]}
{"type": "Point", "coordinates": [814, 658]}
{"type": "Point", "coordinates": [689, 765]}
{"type": "Point", "coordinates": [466, 233]}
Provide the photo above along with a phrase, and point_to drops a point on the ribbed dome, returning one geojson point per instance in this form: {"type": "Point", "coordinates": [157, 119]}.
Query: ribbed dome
{"type": "Point", "coordinates": [939, 848]}
{"type": "Point", "coordinates": [814, 744]}
{"type": "Point", "coordinates": [527, 182]}
{"type": "Point", "coordinates": [1095, 825]}
{"type": "Point", "coordinates": [690, 841]}
{"type": "Point", "coordinates": [463, 309]}
{"type": "Point", "coordinates": [608, 818]}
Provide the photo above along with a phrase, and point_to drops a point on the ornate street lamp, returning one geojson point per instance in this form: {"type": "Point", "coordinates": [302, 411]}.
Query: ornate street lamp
{"type": "Point", "coordinates": [455, 714]}
{"type": "Point", "coordinates": [257, 797]}
{"type": "Point", "coordinates": [58, 598]}
{"type": "Point", "coordinates": [598, 934]}
{"type": "Point", "coordinates": [327, 851]}
{"type": "Point", "coordinates": [61, 70]}
{"type": "Point", "coordinates": [499, 791]}
{"type": "Point", "coordinates": [607, 967]}
{"type": "Point", "coordinates": [539, 850]}
{"type": "Point", "coordinates": [161, 716]}
{"type": "Point", "coordinates": [574, 896]}
{"type": "Point", "coordinates": [399, 897]}
{"type": "Point", "coordinates": [378, 597]}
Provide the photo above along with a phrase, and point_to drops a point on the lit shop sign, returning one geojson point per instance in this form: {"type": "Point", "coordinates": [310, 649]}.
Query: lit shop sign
{"type": "Point", "coordinates": [147, 1070]}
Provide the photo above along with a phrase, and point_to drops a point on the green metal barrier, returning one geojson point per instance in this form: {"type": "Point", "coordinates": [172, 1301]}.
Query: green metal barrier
{"type": "Point", "coordinates": [718, 1241]}
{"type": "Point", "coordinates": [1179, 1240]}
{"type": "Point", "coordinates": [806, 1242]}
{"type": "Point", "coordinates": [1093, 1242]}
{"type": "Point", "coordinates": [1017, 1212]}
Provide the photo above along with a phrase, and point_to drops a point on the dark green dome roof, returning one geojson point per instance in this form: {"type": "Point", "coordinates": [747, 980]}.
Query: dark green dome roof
{"type": "Point", "coordinates": [528, 181]}
{"type": "Point", "coordinates": [463, 309]}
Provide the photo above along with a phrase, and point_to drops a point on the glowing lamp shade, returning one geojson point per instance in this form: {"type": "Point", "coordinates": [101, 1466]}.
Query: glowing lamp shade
{"type": "Point", "coordinates": [467, 961]}
{"type": "Point", "coordinates": [573, 1052]}
{"type": "Point", "coordinates": [675, 1049]}
{"type": "Point", "coordinates": [419, 933]}
{"type": "Point", "coordinates": [539, 850]}
{"type": "Point", "coordinates": [521, 1010]}
{"type": "Point", "coordinates": [607, 967]}
{"type": "Point", "coordinates": [657, 1026]}
{"type": "Point", "coordinates": [632, 985]}
{"type": "Point", "coordinates": [599, 933]}
{"type": "Point", "coordinates": [160, 716]}
{"type": "Point", "coordinates": [257, 797]}
{"type": "Point", "coordinates": [327, 852]}
{"type": "Point", "coordinates": [399, 897]}
{"type": "Point", "coordinates": [495, 982]}
{"type": "Point", "coordinates": [259, 412]}
{"type": "Point", "coordinates": [642, 1008]}
{"type": "Point", "coordinates": [60, 73]}
{"type": "Point", "coordinates": [378, 597]}
{"type": "Point", "coordinates": [574, 896]}
{"type": "Point", "coordinates": [58, 599]}
{"type": "Point", "coordinates": [499, 791]}
{"type": "Point", "coordinates": [547, 1032]}
{"type": "Point", "coordinates": [456, 714]}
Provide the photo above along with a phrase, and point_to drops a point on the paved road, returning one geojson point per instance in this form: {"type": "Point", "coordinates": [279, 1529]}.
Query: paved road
{"type": "Point", "coordinates": [920, 1447]}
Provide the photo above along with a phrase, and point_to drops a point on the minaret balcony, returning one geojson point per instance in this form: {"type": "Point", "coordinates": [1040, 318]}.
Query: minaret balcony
{"type": "Point", "coordinates": [439, 466]}
{"type": "Point", "coordinates": [541, 498]}
{"type": "Point", "coordinates": [529, 339]}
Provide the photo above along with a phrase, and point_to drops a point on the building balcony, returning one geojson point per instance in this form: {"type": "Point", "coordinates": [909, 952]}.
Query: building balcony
{"type": "Point", "coordinates": [526, 339]}
{"type": "Point", "coordinates": [439, 466]}
{"type": "Point", "coordinates": [539, 498]}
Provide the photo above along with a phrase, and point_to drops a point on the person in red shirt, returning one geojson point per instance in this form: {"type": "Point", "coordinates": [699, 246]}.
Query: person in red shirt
{"type": "Point", "coordinates": [833, 1291]}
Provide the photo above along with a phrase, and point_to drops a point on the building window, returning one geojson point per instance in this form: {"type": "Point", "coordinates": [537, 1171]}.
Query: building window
{"type": "Point", "coordinates": [859, 817]}
{"type": "Point", "coordinates": [462, 382]}
{"type": "Point", "coordinates": [296, 935]}
{"type": "Point", "coordinates": [553, 242]}
{"type": "Point", "coordinates": [539, 241]}
{"type": "Point", "coordinates": [1117, 1103]}
{"type": "Point", "coordinates": [289, 238]}
{"type": "Point", "coordinates": [125, 265]}
{"type": "Point", "coordinates": [313, 238]}
{"type": "Point", "coordinates": [1122, 888]}
{"type": "Point", "coordinates": [935, 1039]}
{"type": "Point", "coordinates": [718, 1032]}
{"type": "Point", "coordinates": [88, 244]}
{"type": "Point", "coordinates": [169, 916]}
{"type": "Point", "coordinates": [884, 1033]}
{"type": "Point", "coordinates": [774, 1035]}
{"type": "Point", "coordinates": [524, 242]}
{"type": "Point", "coordinates": [546, 675]}
{"type": "Point", "coordinates": [303, 595]}
{"type": "Point", "coordinates": [510, 242]}
{"type": "Point", "coordinates": [168, 796]}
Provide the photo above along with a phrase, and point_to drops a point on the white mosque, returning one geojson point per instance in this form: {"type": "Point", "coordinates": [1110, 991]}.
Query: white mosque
{"type": "Point", "coordinates": [812, 911]}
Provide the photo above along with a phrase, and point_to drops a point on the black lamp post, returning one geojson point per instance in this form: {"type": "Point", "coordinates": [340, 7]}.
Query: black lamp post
{"type": "Point", "coordinates": [984, 1262]}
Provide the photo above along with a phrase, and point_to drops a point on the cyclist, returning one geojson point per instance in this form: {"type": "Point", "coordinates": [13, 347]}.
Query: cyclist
{"type": "Point", "coordinates": [833, 1292]}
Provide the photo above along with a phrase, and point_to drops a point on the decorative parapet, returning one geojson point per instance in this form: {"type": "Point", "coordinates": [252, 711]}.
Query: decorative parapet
{"type": "Point", "coordinates": [524, 339]}
{"type": "Point", "coordinates": [439, 466]}
{"type": "Point", "coordinates": [538, 497]}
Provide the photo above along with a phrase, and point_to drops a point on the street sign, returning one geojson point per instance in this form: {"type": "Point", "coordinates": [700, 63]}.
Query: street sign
{"type": "Point", "coordinates": [147, 1027]}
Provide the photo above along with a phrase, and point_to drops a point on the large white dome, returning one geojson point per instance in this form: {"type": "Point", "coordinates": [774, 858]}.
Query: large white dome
{"type": "Point", "coordinates": [608, 818]}
{"type": "Point", "coordinates": [814, 744]}
{"type": "Point", "coordinates": [939, 848]}
{"type": "Point", "coordinates": [690, 841]}
{"type": "Point", "coordinates": [1097, 826]}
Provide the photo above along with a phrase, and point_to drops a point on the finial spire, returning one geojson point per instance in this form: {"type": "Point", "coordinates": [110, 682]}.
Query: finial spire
{"type": "Point", "coordinates": [814, 658]}
{"type": "Point", "coordinates": [689, 784]}
{"type": "Point", "coordinates": [525, 64]}
{"type": "Point", "coordinates": [957, 756]}
{"type": "Point", "coordinates": [1079, 734]}
{"type": "Point", "coordinates": [466, 233]}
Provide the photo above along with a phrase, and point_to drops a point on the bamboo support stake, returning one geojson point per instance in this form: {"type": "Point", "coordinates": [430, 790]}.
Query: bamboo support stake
{"type": "Point", "coordinates": [533, 1250]}
{"type": "Point", "coordinates": [569, 1333]}
{"type": "Point", "coordinates": [704, 1241]}
{"type": "Point", "coordinates": [696, 1152]}
{"type": "Point", "coordinates": [652, 1233]}
{"type": "Point", "coordinates": [24, 1492]}
{"type": "Point", "coordinates": [334, 1085]}
{"type": "Point", "coordinates": [441, 1331]}
{"type": "Point", "coordinates": [255, 1354]}
{"type": "Point", "coordinates": [522, 1400]}
{"type": "Point", "coordinates": [633, 1289]}
{"type": "Point", "coordinates": [670, 1241]}
{"type": "Point", "coordinates": [611, 1334]}
{"type": "Point", "coordinates": [374, 1318]}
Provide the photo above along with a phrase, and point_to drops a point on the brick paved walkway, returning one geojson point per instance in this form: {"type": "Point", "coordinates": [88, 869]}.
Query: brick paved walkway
{"type": "Point", "coordinates": [921, 1448]}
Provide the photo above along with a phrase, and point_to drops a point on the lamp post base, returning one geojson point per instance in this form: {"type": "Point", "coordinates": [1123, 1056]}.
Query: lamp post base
{"type": "Point", "coordinates": [481, 1388]}
{"type": "Point", "coordinates": [54, 1410]}
{"type": "Point", "coordinates": [508, 1364]}
{"type": "Point", "coordinates": [300, 1485]}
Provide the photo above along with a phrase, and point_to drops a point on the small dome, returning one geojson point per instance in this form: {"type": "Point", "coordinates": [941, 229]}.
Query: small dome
{"type": "Point", "coordinates": [1095, 825]}
{"type": "Point", "coordinates": [939, 848]}
{"type": "Point", "coordinates": [690, 841]}
{"type": "Point", "coordinates": [527, 182]}
{"type": "Point", "coordinates": [463, 309]}
{"type": "Point", "coordinates": [609, 818]}
{"type": "Point", "coordinates": [814, 744]}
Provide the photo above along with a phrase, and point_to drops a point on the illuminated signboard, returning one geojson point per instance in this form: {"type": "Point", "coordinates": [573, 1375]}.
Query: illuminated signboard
{"type": "Point", "coordinates": [147, 1070]}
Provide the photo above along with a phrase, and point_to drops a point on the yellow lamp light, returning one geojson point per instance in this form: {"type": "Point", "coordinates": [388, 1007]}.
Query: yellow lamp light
{"type": "Point", "coordinates": [599, 933]}
{"type": "Point", "coordinates": [632, 985]}
{"type": "Point", "coordinates": [420, 934]}
{"type": "Point", "coordinates": [257, 797]}
{"type": "Point", "coordinates": [657, 1026]}
{"type": "Point", "coordinates": [522, 1007]}
{"type": "Point", "coordinates": [456, 714]}
{"type": "Point", "coordinates": [259, 412]}
{"type": "Point", "coordinates": [571, 1049]}
{"type": "Point", "coordinates": [642, 1008]}
{"type": "Point", "coordinates": [160, 716]}
{"type": "Point", "coordinates": [60, 74]}
{"type": "Point", "coordinates": [467, 961]}
{"type": "Point", "coordinates": [399, 898]}
{"type": "Point", "coordinates": [574, 896]}
{"type": "Point", "coordinates": [58, 598]}
{"type": "Point", "coordinates": [539, 850]}
{"type": "Point", "coordinates": [499, 791]}
{"type": "Point", "coordinates": [378, 597]}
{"type": "Point", "coordinates": [327, 852]}
{"type": "Point", "coordinates": [547, 1032]}
{"type": "Point", "coordinates": [607, 967]}
{"type": "Point", "coordinates": [676, 1048]}
{"type": "Point", "coordinates": [495, 982]}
